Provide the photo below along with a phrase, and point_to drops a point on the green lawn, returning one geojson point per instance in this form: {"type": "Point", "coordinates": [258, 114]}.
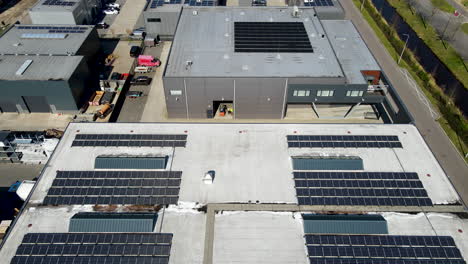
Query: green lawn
{"type": "Point", "coordinates": [443, 5]}
{"type": "Point", "coordinates": [427, 33]}
{"type": "Point", "coordinates": [464, 27]}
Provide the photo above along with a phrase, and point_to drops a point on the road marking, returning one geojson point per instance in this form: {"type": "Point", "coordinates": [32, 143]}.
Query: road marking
{"type": "Point", "coordinates": [420, 94]}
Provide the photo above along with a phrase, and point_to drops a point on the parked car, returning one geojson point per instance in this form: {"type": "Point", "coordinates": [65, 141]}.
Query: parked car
{"type": "Point", "coordinates": [139, 33]}
{"type": "Point", "coordinates": [102, 25]}
{"type": "Point", "coordinates": [135, 51]}
{"type": "Point", "coordinates": [111, 12]}
{"type": "Point", "coordinates": [134, 94]}
{"type": "Point", "coordinates": [141, 80]}
{"type": "Point", "coordinates": [114, 5]}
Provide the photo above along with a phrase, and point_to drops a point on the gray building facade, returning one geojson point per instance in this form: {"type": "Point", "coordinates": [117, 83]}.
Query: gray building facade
{"type": "Point", "coordinates": [46, 68]}
{"type": "Point", "coordinates": [81, 12]}
{"type": "Point", "coordinates": [214, 60]}
{"type": "Point", "coordinates": [49, 84]}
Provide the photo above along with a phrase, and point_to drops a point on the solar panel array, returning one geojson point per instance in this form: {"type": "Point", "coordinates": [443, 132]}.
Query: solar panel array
{"type": "Point", "coordinates": [319, 3]}
{"type": "Point", "coordinates": [360, 188]}
{"type": "Point", "coordinates": [156, 3]}
{"type": "Point", "coordinates": [271, 37]}
{"type": "Point", "coordinates": [382, 249]}
{"type": "Point", "coordinates": [129, 140]}
{"type": "Point", "coordinates": [58, 3]}
{"type": "Point", "coordinates": [345, 141]}
{"type": "Point", "coordinates": [200, 3]}
{"type": "Point", "coordinates": [115, 187]}
{"type": "Point", "coordinates": [87, 248]}
{"type": "Point", "coordinates": [56, 29]}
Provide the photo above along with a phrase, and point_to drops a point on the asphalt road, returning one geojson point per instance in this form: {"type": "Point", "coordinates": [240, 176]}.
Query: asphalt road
{"type": "Point", "coordinates": [445, 152]}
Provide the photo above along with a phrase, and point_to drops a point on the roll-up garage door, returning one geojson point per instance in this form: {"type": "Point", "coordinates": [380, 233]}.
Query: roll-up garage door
{"type": "Point", "coordinates": [37, 104]}
{"type": "Point", "coordinates": [7, 106]}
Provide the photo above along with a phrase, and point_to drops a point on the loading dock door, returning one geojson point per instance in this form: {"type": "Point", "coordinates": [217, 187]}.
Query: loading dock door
{"type": "Point", "coordinates": [37, 104]}
{"type": "Point", "coordinates": [7, 106]}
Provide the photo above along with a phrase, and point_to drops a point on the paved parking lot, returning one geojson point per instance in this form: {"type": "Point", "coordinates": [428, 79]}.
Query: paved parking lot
{"type": "Point", "coordinates": [12, 172]}
{"type": "Point", "coordinates": [134, 108]}
{"type": "Point", "coordinates": [125, 22]}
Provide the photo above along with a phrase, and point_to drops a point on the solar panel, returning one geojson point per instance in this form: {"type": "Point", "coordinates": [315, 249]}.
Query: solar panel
{"type": "Point", "coordinates": [382, 249]}
{"type": "Point", "coordinates": [344, 141]}
{"type": "Point", "coordinates": [156, 3]}
{"type": "Point", "coordinates": [58, 3]}
{"type": "Point", "coordinates": [318, 3]}
{"type": "Point", "coordinates": [129, 140]}
{"type": "Point", "coordinates": [115, 187]}
{"type": "Point", "coordinates": [271, 37]}
{"type": "Point", "coordinates": [360, 188]}
{"type": "Point", "coordinates": [94, 248]}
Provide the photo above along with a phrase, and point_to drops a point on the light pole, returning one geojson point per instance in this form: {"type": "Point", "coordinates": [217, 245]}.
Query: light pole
{"type": "Point", "coordinates": [404, 47]}
{"type": "Point", "coordinates": [362, 4]}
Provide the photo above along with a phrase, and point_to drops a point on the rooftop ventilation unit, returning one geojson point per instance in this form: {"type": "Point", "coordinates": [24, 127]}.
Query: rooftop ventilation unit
{"type": "Point", "coordinates": [23, 67]}
{"type": "Point", "coordinates": [295, 12]}
{"type": "Point", "coordinates": [188, 64]}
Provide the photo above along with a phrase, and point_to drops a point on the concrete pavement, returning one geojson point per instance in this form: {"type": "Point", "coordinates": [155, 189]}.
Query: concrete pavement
{"type": "Point", "coordinates": [449, 158]}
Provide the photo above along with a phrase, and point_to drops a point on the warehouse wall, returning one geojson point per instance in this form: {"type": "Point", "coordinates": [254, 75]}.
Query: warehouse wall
{"type": "Point", "coordinates": [253, 97]}
{"type": "Point", "coordinates": [166, 28]}
{"type": "Point", "coordinates": [57, 93]}
{"type": "Point", "coordinates": [90, 46]}
{"type": "Point", "coordinates": [80, 84]}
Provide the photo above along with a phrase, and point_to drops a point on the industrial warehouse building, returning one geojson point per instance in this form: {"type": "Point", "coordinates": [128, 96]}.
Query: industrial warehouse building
{"type": "Point", "coordinates": [233, 56]}
{"type": "Point", "coordinates": [58, 12]}
{"type": "Point", "coordinates": [45, 68]}
{"type": "Point", "coordinates": [326, 9]}
{"type": "Point", "coordinates": [245, 202]}
{"type": "Point", "coordinates": [161, 16]}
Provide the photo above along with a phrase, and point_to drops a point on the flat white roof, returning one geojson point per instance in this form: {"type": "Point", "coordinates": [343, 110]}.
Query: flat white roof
{"type": "Point", "coordinates": [245, 157]}
{"type": "Point", "coordinates": [252, 162]}
{"type": "Point", "coordinates": [270, 237]}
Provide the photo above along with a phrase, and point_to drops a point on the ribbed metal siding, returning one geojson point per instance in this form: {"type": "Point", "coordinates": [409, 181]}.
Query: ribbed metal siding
{"type": "Point", "coordinates": [327, 164]}
{"type": "Point", "coordinates": [130, 163]}
{"type": "Point", "coordinates": [115, 222]}
{"type": "Point", "coordinates": [345, 224]}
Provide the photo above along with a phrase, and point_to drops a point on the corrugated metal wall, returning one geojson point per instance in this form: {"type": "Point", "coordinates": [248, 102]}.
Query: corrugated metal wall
{"type": "Point", "coordinates": [113, 222]}
{"type": "Point", "coordinates": [130, 162]}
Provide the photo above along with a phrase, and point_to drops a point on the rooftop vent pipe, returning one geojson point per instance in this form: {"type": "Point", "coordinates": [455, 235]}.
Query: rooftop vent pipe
{"type": "Point", "coordinates": [295, 12]}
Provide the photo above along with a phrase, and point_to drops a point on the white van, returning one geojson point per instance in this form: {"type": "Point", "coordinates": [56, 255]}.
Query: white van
{"type": "Point", "coordinates": [143, 69]}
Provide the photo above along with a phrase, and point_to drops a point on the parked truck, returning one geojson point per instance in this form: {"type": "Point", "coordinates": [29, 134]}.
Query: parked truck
{"type": "Point", "coordinates": [149, 61]}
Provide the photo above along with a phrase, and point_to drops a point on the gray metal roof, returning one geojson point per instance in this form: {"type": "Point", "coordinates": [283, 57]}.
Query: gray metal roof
{"type": "Point", "coordinates": [41, 68]}
{"type": "Point", "coordinates": [206, 38]}
{"type": "Point", "coordinates": [141, 163]}
{"type": "Point", "coordinates": [33, 39]}
{"type": "Point", "coordinates": [113, 222]}
{"type": "Point", "coordinates": [344, 224]}
{"type": "Point", "coordinates": [350, 49]}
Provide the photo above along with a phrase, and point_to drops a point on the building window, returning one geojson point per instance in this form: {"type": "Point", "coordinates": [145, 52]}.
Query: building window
{"type": "Point", "coordinates": [301, 93]}
{"type": "Point", "coordinates": [153, 20]}
{"type": "Point", "coordinates": [325, 93]}
{"type": "Point", "coordinates": [354, 93]}
{"type": "Point", "coordinates": [176, 92]}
